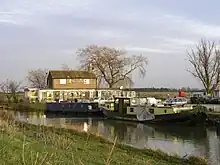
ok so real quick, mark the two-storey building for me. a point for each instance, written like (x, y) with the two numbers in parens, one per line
(71, 84)
(71, 79)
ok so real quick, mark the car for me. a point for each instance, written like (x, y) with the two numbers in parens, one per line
(199, 99)
(179, 101)
(215, 100)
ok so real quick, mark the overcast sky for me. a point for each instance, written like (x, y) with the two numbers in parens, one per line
(46, 34)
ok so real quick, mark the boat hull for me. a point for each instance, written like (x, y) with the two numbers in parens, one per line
(98, 114)
(178, 118)
(74, 109)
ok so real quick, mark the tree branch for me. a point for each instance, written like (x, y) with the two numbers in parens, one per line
(111, 63)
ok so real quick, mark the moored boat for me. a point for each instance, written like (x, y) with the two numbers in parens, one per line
(122, 109)
(81, 109)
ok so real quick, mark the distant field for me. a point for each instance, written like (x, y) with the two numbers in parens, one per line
(160, 95)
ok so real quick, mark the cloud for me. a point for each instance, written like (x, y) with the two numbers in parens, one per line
(194, 27)
(145, 49)
(47, 28)
(13, 17)
(26, 11)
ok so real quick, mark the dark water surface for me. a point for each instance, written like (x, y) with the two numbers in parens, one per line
(179, 140)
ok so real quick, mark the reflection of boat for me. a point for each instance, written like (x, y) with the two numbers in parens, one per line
(123, 110)
(184, 132)
(141, 134)
(80, 109)
(74, 115)
(141, 128)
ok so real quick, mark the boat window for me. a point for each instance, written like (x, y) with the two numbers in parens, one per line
(151, 110)
(127, 102)
(131, 109)
(89, 107)
(165, 111)
(116, 101)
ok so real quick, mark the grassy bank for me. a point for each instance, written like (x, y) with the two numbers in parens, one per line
(22, 106)
(28, 144)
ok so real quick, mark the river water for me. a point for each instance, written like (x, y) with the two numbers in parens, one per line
(198, 141)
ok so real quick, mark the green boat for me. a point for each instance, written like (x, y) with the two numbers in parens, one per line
(122, 109)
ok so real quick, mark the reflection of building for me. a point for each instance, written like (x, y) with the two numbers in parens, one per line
(36, 118)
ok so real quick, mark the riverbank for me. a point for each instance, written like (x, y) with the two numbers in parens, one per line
(22, 106)
(28, 144)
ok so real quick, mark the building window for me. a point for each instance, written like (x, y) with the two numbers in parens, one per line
(86, 81)
(129, 94)
(133, 94)
(44, 95)
(69, 81)
(62, 81)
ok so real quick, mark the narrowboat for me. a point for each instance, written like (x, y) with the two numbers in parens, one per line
(79, 109)
(122, 109)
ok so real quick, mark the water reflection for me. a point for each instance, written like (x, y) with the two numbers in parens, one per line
(179, 140)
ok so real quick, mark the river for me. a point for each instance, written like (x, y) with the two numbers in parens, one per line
(198, 141)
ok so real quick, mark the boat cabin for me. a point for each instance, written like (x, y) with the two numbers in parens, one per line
(119, 104)
(123, 105)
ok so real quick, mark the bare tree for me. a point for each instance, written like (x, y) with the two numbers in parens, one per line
(110, 64)
(10, 88)
(205, 62)
(127, 82)
(38, 78)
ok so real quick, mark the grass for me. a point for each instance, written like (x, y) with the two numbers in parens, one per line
(28, 106)
(25, 144)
